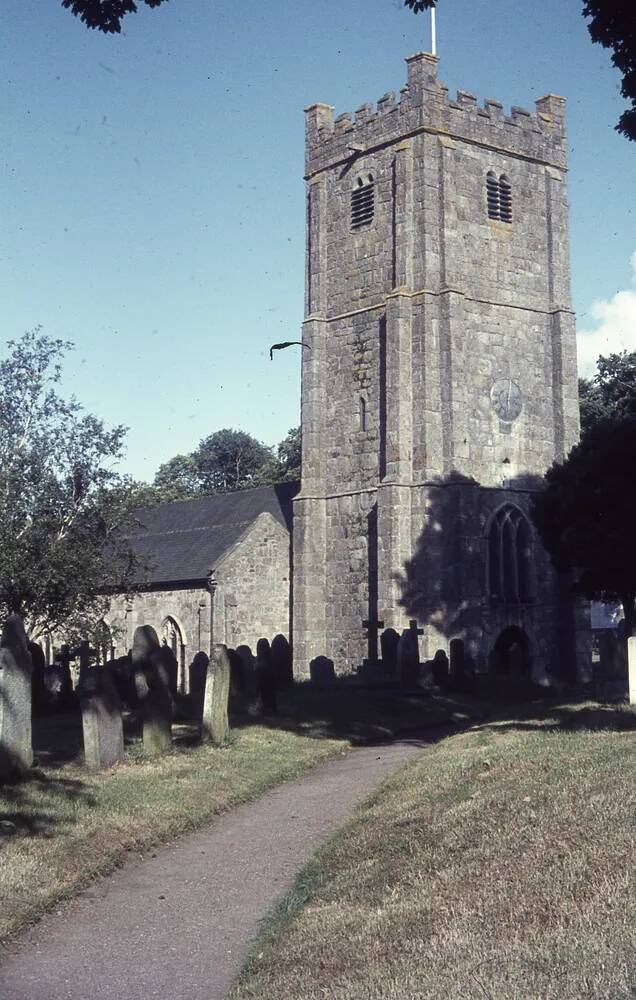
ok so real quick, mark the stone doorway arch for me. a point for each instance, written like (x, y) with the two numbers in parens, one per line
(511, 655)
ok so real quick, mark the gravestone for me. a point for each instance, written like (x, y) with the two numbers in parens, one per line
(372, 627)
(215, 727)
(38, 679)
(408, 659)
(238, 684)
(440, 669)
(265, 677)
(249, 666)
(282, 660)
(198, 673)
(170, 667)
(388, 645)
(153, 691)
(101, 719)
(322, 671)
(85, 655)
(58, 685)
(16, 748)
(631, 668)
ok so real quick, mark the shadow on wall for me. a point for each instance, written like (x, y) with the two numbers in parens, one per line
(447, 580)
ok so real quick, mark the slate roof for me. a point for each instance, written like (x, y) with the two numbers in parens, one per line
(181, 542)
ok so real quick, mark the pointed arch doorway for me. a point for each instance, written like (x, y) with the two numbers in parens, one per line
(511, 655)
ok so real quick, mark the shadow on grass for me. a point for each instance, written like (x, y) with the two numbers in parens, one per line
(25, 806)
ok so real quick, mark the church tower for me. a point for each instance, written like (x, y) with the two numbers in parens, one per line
(439, 379)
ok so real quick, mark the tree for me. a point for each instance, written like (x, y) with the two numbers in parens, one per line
(289, 456)
(611, 392)
(229, 460)
(612, 23)
(176, 479)
(585, 516)
(61, 503)
(106, 15)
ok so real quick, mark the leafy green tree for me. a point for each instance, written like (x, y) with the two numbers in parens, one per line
(612, 23)
(176, 479)
(229, 460)
(61, 502)
(611, 392)
(289, 456)
(585, 516)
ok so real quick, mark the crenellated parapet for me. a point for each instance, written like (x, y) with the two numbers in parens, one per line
(424, 106)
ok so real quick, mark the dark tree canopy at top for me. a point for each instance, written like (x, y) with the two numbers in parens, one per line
(612, 23)
(106, 15)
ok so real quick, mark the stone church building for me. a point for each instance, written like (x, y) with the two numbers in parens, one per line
(439, 382)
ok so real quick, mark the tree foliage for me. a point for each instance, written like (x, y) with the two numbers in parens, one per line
(224, 461)
(60, 499)
(106, 15)
(611, 393)
(611, 23)
(585, 516)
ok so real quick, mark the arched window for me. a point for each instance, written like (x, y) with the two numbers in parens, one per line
(172, 637)
(362, 417)
(362, 202)
(509, 556)
(498, 197)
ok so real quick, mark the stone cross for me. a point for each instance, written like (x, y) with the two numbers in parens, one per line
(372, 628)
(101, 719)
(631, 667)
(215, 727)
(152, 686)
(16, 748)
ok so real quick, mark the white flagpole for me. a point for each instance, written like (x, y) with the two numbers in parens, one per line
(433, 33)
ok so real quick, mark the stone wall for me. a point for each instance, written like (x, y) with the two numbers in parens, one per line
(411, 320)
(251, 598)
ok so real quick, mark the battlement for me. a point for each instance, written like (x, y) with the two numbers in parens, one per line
(424, 104)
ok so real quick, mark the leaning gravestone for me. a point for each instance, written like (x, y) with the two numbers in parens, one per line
(215, 727)
(16, 748)
(101, 719)
(153, 691)
(408, 659)
(282, 660)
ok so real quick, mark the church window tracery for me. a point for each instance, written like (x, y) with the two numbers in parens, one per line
(363, 202)
(509, 556)
(172, 637)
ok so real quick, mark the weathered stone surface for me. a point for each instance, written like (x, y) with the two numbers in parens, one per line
(631, 661)
(16, 749)
(413, 323)
(102, 722)
(215, 726)
(153, 691)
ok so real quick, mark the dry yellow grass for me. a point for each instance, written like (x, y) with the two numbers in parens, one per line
(498, 865)
(64, 826)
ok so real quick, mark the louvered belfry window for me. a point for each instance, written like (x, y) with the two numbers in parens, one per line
(499, 197)
(362, 202)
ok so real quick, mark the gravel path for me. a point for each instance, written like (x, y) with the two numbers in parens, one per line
(177, 924)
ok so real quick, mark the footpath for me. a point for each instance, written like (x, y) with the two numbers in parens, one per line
(178, 923)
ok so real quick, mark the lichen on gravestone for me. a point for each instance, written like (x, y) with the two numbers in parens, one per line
(215, 726)
(153, 690)
(16, 667)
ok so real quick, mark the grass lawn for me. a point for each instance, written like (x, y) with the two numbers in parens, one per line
(500, 864)
(64, 826)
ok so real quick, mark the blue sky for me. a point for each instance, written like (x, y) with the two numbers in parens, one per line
(153, 208)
